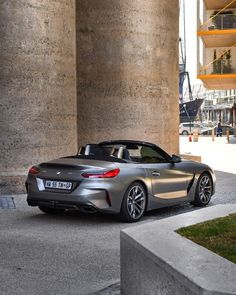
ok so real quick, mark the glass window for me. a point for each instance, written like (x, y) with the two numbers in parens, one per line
(145, 154)
(139, 153)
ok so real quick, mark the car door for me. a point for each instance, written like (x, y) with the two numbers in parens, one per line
(169, 180)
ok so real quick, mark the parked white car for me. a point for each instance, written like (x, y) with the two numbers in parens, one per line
(188, 128)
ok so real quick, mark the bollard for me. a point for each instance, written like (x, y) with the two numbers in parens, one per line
(195, 136)
(213, 134)
(227, 134)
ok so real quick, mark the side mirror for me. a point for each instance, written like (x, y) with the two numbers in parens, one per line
(175, 159)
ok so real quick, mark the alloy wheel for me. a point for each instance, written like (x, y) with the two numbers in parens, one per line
(136, 202)
(205, 189)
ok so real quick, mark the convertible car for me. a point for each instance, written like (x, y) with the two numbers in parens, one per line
(122, 177)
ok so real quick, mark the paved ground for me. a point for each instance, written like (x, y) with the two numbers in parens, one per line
(218, 154)
(74, 253)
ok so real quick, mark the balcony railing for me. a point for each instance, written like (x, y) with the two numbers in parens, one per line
(220, 22)
(220, 66)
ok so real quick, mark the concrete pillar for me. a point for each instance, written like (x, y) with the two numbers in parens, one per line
(37, 86)
(127, 71)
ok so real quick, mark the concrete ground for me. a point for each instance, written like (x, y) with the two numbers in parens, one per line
(79, 254)
(218, 154)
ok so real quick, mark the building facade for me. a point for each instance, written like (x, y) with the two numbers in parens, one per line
(217, 55)
(217, 43)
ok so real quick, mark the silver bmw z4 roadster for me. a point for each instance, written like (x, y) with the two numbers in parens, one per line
(122, 177)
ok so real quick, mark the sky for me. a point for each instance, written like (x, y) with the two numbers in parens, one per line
(191, 39)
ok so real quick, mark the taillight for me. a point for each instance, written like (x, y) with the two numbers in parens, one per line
(108, 174)
(34, 170)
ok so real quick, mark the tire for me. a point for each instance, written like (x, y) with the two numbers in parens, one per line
(49, 210)
(134, 203)
(185, 132)
(204, 191)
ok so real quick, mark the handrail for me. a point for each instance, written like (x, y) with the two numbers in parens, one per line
(205, 67)
(204, 24)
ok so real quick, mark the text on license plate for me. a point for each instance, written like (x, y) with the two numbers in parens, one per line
(58, 184)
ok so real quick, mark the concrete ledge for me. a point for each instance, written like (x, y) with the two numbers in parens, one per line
(191, 157)
(157, 260)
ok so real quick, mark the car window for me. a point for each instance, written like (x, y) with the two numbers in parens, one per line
(145, 154)
(139, 153)
(189, 125)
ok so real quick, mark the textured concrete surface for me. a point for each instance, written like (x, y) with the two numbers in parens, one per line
(157, 260)
(111, 290)
(127, 69)
(72, 253)
(38, 110)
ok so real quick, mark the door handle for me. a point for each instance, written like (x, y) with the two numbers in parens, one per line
(156, 173)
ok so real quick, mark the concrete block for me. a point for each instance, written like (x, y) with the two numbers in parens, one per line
(157, 260)
(191, 157)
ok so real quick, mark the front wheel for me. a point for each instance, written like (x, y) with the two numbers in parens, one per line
(134, 203)
(203, 191)
(185, 132)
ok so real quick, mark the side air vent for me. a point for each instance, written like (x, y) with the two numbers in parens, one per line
(191, 183)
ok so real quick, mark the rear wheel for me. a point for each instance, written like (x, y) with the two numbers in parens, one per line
(134, 203)
(49, 210)
(203, 191)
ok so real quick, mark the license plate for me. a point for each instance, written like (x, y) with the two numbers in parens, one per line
(58, 184)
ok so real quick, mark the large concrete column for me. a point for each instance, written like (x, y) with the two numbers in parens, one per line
(37, 86)
(127, 71)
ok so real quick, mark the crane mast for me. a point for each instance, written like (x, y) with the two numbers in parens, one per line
(183, 74)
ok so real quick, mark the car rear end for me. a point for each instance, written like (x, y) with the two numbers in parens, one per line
(87, 185)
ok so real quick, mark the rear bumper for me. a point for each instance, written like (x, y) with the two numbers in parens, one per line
(87, 197)
(85, 208)
(95, 201)
(88, 200)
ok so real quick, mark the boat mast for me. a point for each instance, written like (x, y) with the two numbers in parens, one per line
(183, 74)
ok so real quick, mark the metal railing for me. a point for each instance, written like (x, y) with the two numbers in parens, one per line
(221, 22)
(219, 19)
(220, 66)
